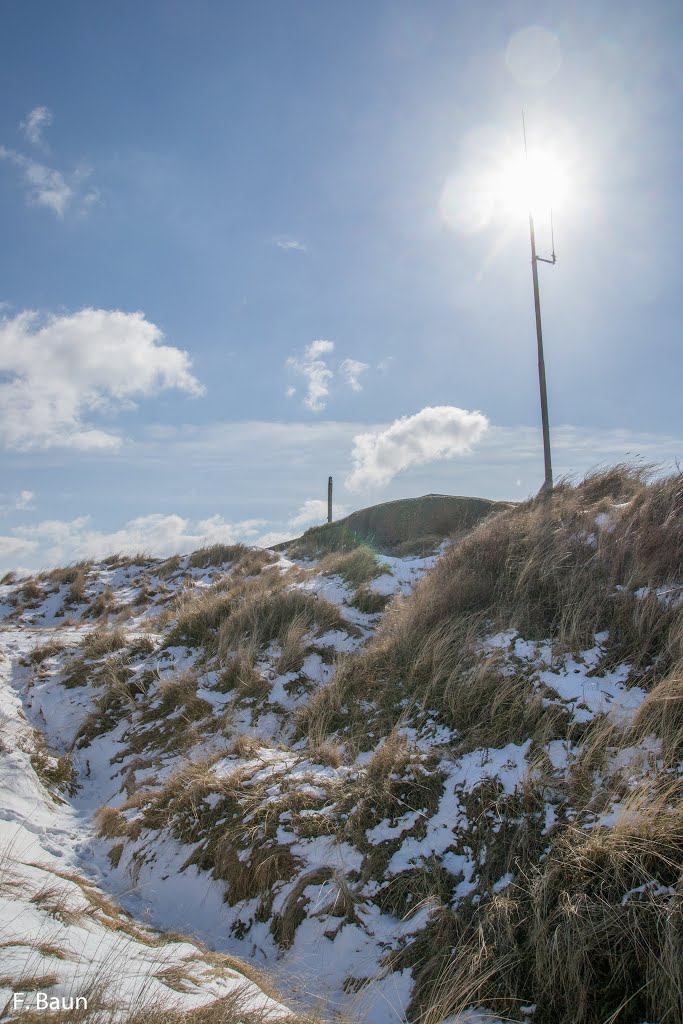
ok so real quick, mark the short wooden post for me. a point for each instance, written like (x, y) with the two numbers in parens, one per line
(329, 499)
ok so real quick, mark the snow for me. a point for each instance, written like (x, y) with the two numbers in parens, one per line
(43, 839)
(153, 879)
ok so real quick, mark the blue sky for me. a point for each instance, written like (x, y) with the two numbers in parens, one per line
(245, 248)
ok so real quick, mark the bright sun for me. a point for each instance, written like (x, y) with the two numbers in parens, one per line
(501, 189)
(535, 182)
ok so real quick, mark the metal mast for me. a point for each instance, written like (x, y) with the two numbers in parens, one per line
(535, 259)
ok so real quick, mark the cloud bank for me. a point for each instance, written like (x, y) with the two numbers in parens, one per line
(436, 432)
(56, 373)
(59, 542)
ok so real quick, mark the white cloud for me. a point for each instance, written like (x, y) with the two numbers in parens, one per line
(21, 502)
(267, 540)
(12, 548)
(57, 542)
(352, 369)
(314, 511)
(37, 120)
(291, 244)
(319, 348)
(315, 368)
(315, 372)
(24, 502)
(56, 372)
(45, 186)
(436, 432)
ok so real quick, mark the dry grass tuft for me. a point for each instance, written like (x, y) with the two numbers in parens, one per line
(42, 652)
(661, 715)
(355, 567)
(169, 567)
(120, 689)
(254, 561)
(103, 640)
(102, 606)
(76, 593)
(199, 614)
(34, 983)
(58, 902)
(57, 774)
(265, 615)
(65, 575)
(121, 561)
(285, 923)
(216, 554)
(293, 647)
(178, 693)
(30, 593)
(76, 672)
(238, 674)
(368, 601)
(111, 823)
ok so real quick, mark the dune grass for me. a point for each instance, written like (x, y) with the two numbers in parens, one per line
(567, 910)
(355, 567)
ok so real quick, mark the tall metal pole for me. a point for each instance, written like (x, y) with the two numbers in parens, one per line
(548, 482)
(329, 499)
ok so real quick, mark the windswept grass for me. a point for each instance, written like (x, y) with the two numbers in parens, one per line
(321, 540)
(119, 689)
(588, 935)
(30, 593)
(545, 568)
(355, 567)
(102, 606)
(42, 652)
(216, 555)
(103, 640)
(368, 601)
(546, 874)
(265, 616)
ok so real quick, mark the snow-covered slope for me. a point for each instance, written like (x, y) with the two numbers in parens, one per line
(407, 788)
(63, 943)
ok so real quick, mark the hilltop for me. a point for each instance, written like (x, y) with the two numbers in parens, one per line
(401, 527)
(425, 787)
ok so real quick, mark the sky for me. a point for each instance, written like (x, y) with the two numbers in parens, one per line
(247, 246)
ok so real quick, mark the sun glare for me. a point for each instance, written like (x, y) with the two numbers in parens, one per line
(489, 190)
(537, 182)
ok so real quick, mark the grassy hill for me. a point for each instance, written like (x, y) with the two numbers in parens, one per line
(408, 787)
(403, 527)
